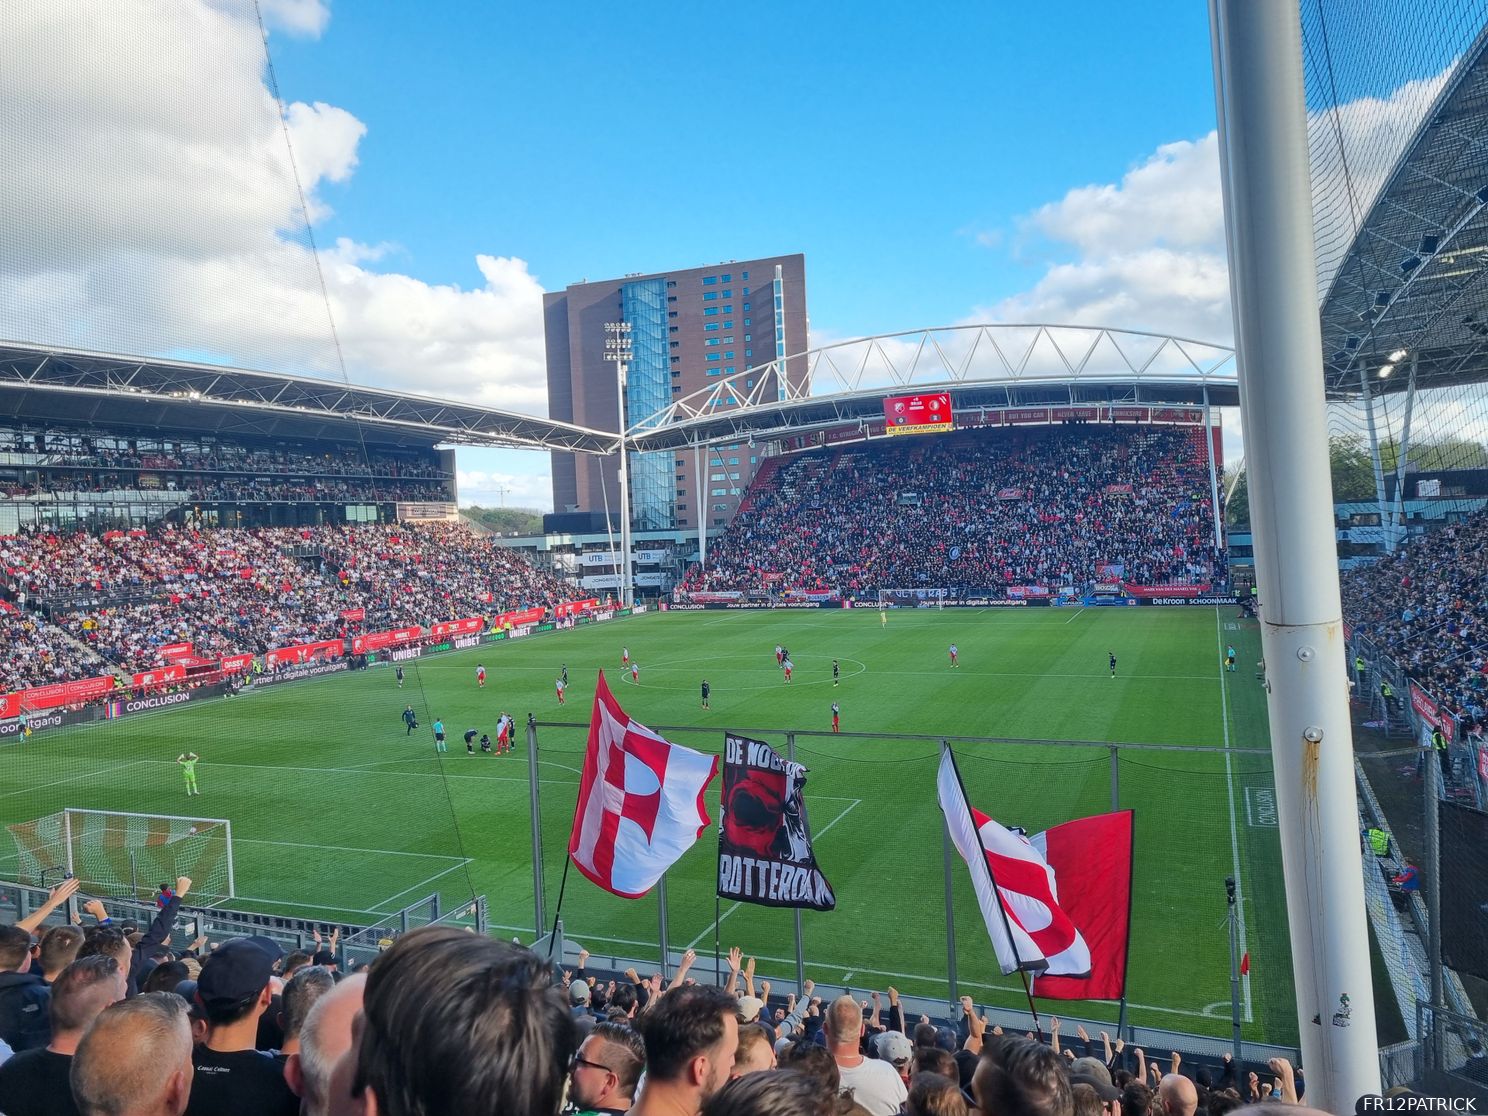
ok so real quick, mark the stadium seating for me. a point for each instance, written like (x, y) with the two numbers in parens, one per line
(230, 591)
(72, 463)
(1426, 606)
(1054, 506)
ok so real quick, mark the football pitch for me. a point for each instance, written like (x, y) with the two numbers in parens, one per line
(337, 811)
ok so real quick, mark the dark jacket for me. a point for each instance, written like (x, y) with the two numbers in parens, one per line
(160, 929)
(25, 1016)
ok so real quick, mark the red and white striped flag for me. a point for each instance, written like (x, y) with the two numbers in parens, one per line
(1018, 893)
(640, 801)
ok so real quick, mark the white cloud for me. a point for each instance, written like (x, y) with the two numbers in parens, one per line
(151, 209)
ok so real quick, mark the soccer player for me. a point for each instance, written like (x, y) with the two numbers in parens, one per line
(1230, 657)
(565, 674)
(470, 741)
(707, 690)
(485, 743)
(836, 717)
(560, 684)
(503, 734)
(954, 653)
(836, 672)
(480, 675)
(188, 769)
(399, 676)
(788, 666)
(779, 654)
(883, 617)
(439, 736)
(635, 673)
(625, 656)
(1112, 655)
(410, 718)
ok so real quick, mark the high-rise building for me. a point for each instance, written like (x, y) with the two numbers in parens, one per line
(688, 330)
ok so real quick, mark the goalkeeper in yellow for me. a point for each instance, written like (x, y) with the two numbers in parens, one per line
(188, 769)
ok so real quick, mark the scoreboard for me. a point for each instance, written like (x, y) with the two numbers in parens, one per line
(918, 414)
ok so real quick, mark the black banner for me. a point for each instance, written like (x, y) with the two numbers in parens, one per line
(764, 835)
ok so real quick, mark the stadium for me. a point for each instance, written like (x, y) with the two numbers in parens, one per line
(255, 651)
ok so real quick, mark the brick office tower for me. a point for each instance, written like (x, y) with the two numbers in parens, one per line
(688, 329)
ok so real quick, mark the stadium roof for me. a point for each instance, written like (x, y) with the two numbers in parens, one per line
(993, 365)
(41, 383)
(1412, 281)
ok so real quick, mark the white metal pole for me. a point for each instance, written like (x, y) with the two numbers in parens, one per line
(1213, 473)
(1395, 529)
(1273, 277)
(702, 505)
(626, 596)
(1374, 452)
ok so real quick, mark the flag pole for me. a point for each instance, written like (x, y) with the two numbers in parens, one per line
(661, 923)
(717, 951)
(996, 894)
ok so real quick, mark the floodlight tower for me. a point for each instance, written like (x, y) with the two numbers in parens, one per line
(617, 349)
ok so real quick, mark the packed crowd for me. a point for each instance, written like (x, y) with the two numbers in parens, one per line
(230, 591)
(1426, 606)
(113, 1018)
(36, 654)
(110, 451)
(229, 489)
(1053, 506)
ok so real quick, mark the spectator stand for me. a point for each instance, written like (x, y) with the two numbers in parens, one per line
(361, 939)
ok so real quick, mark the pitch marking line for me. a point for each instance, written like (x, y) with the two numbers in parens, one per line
(377, 909)
(1224, 710)
(818, 836)
(344, 848)
(109, 771)
(1076, 616)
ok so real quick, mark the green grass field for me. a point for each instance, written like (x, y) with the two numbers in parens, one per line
(336, 812)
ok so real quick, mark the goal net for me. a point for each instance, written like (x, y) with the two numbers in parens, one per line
(121, 855)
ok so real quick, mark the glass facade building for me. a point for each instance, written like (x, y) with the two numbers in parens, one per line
(643, 303)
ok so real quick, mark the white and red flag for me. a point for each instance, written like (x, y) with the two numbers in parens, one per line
(640, 801)
(1058, 904)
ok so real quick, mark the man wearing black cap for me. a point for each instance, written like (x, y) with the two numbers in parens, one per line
(231, 1076)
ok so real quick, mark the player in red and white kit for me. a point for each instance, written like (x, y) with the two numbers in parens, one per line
(560, 685)
(480, 677)
(635, 673)
(954, 653)
(779, 654)
(788, 666)
(503, 733)
(625, 656)
(836, 717)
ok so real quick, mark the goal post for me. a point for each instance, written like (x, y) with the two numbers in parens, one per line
(118, 853)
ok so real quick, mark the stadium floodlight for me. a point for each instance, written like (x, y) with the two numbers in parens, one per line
(1385, 370)
(618, 350)
(1397, 356)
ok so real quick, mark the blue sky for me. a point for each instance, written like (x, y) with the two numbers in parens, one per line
(937, 164)
(886, 142)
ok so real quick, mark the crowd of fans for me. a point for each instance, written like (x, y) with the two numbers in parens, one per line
(76, 463)
(1426, 606)
(234, 489)
(116, 1018)
(37, 654)
(231, 591)
(1054, 506)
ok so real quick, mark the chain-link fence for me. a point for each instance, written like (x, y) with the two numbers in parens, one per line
(906, 916)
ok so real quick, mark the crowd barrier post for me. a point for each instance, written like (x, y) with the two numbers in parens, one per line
(661, 924)
(540, 920)
(1431, 819)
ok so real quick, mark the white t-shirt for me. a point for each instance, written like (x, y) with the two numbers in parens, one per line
(876, 1085)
